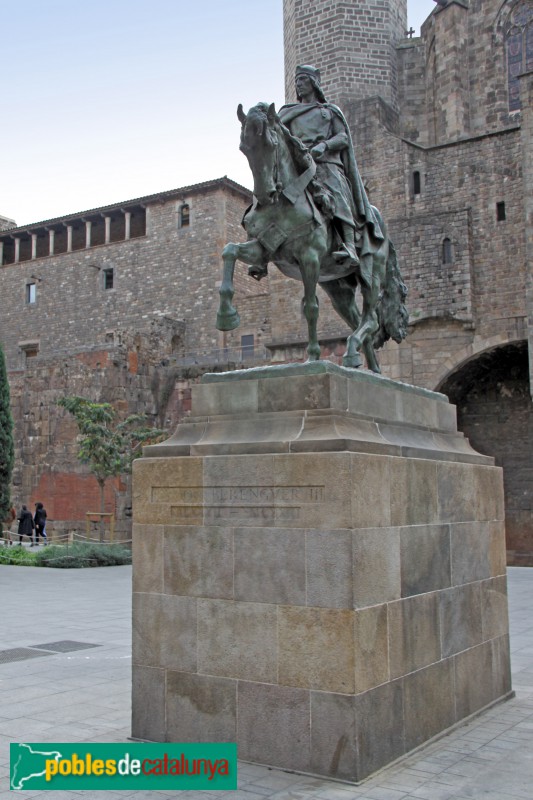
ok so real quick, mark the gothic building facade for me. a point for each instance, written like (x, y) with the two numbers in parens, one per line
(119, 302)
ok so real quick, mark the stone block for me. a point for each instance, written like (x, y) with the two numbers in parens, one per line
(164, 631)
(352, 737)
(147, 552)
(429, 705)
(371, 640)
(494, 609)
(279, 394)
(471, 547)
(148, 717)
(329, 569)
(501, 667)
(379, 405)
(215, 399)
(316, 649)
(317, 488)
(460, 618)
(237, 640)
(168, 491)
(198, 561)
(270, 566)
(372, 482)
(415, 410)
(376, 565)
(200, 708)
(380, 727)
(334, 736)
(497, 549)
(414, 492)
(414, 633)
(425, 559)
(279, 734)
(469, 493)
(471, 696)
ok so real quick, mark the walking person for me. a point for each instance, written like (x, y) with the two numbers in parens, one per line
(40, 522)
(26, 525)
(8, 522)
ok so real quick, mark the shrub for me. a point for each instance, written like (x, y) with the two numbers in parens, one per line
(83, 554)
(18, 556)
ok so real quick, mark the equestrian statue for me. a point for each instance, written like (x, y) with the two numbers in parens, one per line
(311, 217)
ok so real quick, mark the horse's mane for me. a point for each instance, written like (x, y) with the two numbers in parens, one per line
(299, 151)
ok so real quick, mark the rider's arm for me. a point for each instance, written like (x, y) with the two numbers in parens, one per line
(339, 140)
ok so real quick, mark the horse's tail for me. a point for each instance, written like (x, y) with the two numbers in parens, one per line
(392, 313)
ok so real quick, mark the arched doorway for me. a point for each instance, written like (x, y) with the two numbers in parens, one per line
(495, 412)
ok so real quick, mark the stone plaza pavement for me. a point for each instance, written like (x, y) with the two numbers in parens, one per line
(62, 690)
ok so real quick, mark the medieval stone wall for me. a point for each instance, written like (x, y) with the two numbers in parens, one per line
(168, 275)
(353, 44)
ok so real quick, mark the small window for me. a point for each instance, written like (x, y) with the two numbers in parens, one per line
(108, 278)
(247, 346)
(447, 254)
(185, 216)
(500, 211)
(30, 349)
(416, 182)
(31, 293)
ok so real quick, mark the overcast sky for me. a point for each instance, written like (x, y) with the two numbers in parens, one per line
(110, 100)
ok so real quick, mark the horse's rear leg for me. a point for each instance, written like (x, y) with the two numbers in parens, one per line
(341, 292)
(368, 325)
(251, 253)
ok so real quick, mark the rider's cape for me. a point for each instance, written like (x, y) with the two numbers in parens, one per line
(362, 204)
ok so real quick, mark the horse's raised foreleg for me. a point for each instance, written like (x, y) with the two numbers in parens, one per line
(310, 269)
(251, 253)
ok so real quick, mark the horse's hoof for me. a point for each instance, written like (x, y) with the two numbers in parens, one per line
(228, 321)
(353, 361)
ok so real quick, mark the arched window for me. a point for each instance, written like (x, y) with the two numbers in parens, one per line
(447, 252)
(185, 216)
(519, 49)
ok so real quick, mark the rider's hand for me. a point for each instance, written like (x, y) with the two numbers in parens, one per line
(318, 150)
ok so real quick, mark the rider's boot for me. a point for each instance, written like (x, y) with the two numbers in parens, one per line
(348, 250)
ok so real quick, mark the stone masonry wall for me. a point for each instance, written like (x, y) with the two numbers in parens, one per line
(169, 274)
(352, 43)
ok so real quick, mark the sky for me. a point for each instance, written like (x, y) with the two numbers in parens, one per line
(110, 100)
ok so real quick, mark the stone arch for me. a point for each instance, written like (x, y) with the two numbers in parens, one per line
(491, 390)
(466, 354)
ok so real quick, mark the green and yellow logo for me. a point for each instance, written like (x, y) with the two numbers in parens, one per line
(131, 765)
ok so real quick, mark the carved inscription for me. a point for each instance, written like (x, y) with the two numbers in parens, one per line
(240, 504)
(242, 495)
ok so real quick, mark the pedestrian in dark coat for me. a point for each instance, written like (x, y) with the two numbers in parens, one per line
(40, 522)
(26, 524)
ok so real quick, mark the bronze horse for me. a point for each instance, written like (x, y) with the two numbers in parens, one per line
(289, 225)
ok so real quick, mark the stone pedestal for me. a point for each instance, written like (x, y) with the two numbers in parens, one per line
(319, 572)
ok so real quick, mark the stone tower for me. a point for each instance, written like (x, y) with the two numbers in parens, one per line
(353, 43)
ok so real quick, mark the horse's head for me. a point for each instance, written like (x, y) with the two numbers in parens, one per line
(259, 143)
